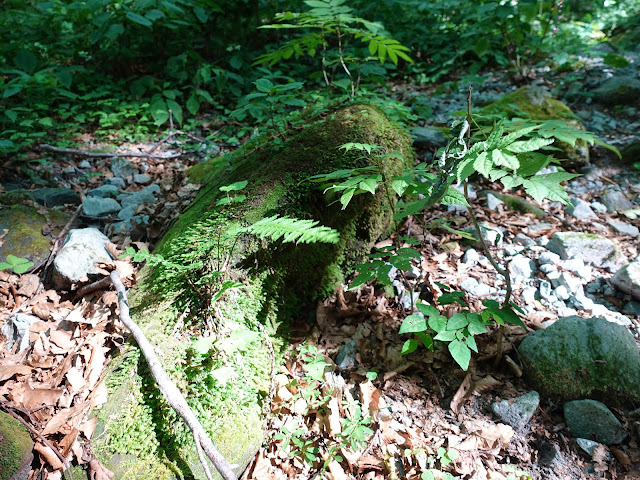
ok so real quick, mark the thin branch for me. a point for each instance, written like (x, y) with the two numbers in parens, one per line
(168, 388)
(84, 153)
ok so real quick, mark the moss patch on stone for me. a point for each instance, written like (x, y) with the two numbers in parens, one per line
(226, 382)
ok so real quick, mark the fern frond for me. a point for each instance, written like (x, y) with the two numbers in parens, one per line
(293, 230)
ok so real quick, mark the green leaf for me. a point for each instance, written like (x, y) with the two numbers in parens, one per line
(471, 343)
(460, 353)
(530, 145)
(615, 60)
(412, 324)
(233, 187)
(494, 136)
(293, 230)
(264, 85)
(426, 339)
(454, 197)
(193, 103)
(548, 186)
(203, 345)
(500, 157)
(438, 323)
(453, 297)
(427, 310)
(445, 335)
(176, 110)
(139, 19)
(159, 112)
(457, 321)
(476, 325)
(483, 164)
(409, 346)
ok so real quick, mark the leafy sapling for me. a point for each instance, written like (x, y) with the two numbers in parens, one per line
(18, 265)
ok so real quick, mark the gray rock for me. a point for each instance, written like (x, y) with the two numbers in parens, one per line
(512, 250)
(591, 172)
(146, 195)
(577, 358)
(549, 258)
(16, 331)
(56, 197)
(104, 191)
(24, 238)
(428, 137)
(100, 207)
(121, 167)
(84, 164)
(529, 295)
(127, 213)
(493, 236)
(78, 257)
(632, 308)
(346, 357)
(15, 449)
(581, 301)
(470, 257)
(624, 228)
(587, 445)
(545, 289)
(540, 226)
(592, 249)
(493, 202)
(627, 279)
(615, 201)
(474, 288)
(594, 421)
(117, 182)
(619, 90)
(518, 413)
(542, 241)
(142, 179)
(521, 268)
(577, 266)
(598, 207)
(581, 209)
(524, 240)
(562, 293)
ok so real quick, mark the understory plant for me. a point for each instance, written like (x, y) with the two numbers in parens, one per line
(514, 154)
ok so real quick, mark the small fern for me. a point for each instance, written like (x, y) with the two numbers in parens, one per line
(293, 230)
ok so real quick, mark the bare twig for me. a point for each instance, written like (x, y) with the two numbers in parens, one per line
(172, 133)
(84, 153)
(92, 287)
(168, 388)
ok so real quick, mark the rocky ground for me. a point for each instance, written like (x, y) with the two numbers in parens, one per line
(427, 418)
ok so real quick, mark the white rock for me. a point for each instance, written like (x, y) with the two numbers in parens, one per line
(562, 293)
(549, 258)
(79, 256)
(471, 257)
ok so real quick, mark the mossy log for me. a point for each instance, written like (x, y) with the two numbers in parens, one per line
(225, 376)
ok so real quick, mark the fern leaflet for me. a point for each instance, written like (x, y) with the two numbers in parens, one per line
(293, 230)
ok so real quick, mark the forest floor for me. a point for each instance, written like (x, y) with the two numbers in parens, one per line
(428, 414)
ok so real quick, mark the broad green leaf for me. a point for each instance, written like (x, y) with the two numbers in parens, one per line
(203, 345)
(370, 184)
(454, 197)
(264, 85)
(483, 164)
(453, 297)
(494, 137)
(500, 157)
(193, 103)
(412, 324)
(457, 321)
(531, 163)
(445, 335)
(460, 353)
(427, 310)
(159, 112)
(476, 325)
(511, 181)
(409, 346)
(530, 145)
(139, 19)
(426, 339)
(471, 343)
(438, 323)
(176, 110)
(234, 186)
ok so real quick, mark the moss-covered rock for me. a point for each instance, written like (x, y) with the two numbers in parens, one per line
(15, 448)
(516, 203)
(537, 104)
(225, 376)
(583, 358)
(25, 238)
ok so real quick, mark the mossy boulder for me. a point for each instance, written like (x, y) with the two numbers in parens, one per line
(533, 103)
(226, 374)
(15, 449)
(25, 237)
(579, 358)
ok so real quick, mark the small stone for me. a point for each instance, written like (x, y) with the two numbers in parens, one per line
(599, 226)
(121, 167)
(598, 207)
(16, 331)
(580, 209)
(79, 256)
(524, 240)
(592, 249)
(594, 421)
(627, 279)
(549, 258)
(624, 228)
(587, 445)
(346, 357)
(615, 201)
(142, 179)
(562, 293)
(512, 250)
(84, 164)
(577, 266)
(548, 268)
(117, 182)
(581, 301)
(572, 283)
(474, 288)
(104, 191)
(529, 295)
(493, 202)
(540, 227)
(56, 197)
(521, 268)
(545, 289)
(519, 413)
(595, 286)
(542, 241)
(127, 213)
(632, 308)
(471, 257)
(100, 207)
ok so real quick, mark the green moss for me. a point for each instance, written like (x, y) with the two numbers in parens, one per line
(280, 279)
(15, 445)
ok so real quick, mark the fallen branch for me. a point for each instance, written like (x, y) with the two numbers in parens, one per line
(84, 153)
(170, 391)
